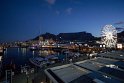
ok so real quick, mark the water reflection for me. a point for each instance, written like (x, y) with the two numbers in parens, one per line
(18, 50)
(21, 56)
(23, 50)
(5, 51)
(18, 56)
(33, 53)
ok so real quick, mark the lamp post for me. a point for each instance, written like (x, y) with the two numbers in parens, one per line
(27, 75)
(67, 52)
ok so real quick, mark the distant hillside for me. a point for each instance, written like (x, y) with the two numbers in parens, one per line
(46, 36)
(121, 37)
(77, 36)
(121, 34)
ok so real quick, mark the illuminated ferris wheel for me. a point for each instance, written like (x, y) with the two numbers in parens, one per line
(109, 36)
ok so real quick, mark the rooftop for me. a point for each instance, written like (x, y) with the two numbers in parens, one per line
(93, 70)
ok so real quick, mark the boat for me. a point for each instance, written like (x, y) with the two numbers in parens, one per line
(38, 61)
(33, 48)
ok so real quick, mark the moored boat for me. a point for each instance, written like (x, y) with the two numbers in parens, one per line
(33, 48)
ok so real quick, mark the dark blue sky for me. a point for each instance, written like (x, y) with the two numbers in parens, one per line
(25, 19)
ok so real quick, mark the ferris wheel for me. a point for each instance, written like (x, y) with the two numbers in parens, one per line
(109, 36)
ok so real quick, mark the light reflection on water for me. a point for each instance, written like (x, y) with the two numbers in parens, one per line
(33, 53)
(23, 50)
(18, 56)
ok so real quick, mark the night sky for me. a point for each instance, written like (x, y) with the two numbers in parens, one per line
(25, 19)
